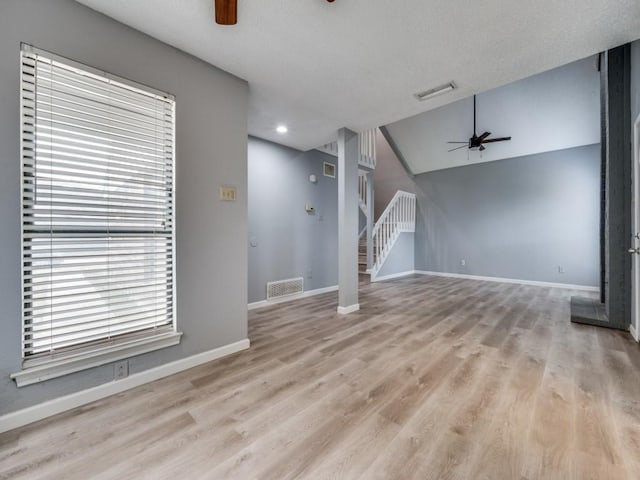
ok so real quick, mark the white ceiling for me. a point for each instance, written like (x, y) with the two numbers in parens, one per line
(319, 66)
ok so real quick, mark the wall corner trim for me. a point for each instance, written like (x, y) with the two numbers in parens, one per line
(297, 296)
(49, 408)
(535, 283)
(393, 275)
(634, 333)
(349, 309)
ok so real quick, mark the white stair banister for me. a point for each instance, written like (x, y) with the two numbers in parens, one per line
(368, 148)
(362, 191)
(398, 217)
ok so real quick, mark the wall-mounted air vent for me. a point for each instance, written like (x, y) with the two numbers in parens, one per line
(283, 288)
(329, 170)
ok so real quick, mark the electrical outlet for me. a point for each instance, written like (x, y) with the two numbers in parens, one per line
(309, 273)
(560, 269)
(121, 370)
(463, 262)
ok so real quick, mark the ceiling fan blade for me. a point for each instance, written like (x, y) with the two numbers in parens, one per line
(483, 136)
(499, 139)
(226, 12)
(457, 148)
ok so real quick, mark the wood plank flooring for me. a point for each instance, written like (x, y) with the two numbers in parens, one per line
(435, 378)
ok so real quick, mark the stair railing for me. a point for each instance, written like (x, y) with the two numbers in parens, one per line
(398, 217)
(362, 191)
(366, 148)
(367, 154)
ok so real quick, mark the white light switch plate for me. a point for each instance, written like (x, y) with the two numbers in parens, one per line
(228, 194)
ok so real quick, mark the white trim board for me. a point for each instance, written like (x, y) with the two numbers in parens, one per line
(46, 409)
(350, 309)
(100, 356)
(394, 275)
(586, 288)
(289, 298)
(634, 333)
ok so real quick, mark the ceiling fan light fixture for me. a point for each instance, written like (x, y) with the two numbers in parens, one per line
(434, 92)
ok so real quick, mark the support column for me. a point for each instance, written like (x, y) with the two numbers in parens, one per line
(618, 192)
(613, 309)
(370, 219)
(348, 212)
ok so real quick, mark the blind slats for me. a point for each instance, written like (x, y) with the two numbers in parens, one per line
(46, 307)
(97, 207)
(80, 299)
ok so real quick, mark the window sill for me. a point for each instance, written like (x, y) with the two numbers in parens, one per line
(82, 361)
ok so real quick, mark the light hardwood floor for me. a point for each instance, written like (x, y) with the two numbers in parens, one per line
(434, 378)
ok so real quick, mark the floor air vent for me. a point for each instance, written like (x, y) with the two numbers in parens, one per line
(282, 288)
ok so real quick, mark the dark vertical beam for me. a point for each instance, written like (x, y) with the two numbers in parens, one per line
(614, 308)
(602, 65)
(618, 192)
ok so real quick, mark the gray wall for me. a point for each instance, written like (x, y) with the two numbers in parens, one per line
(211, 148)
(401, 256)
(517, 218)
(289, 241)
(389, 176)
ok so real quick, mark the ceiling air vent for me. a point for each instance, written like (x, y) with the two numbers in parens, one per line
(283, 288)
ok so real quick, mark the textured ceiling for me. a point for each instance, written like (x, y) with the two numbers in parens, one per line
(319, 66)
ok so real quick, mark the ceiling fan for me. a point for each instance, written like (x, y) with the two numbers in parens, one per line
(227, 11)
(478, 141)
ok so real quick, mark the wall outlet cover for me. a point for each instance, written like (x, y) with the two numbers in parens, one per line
(121, 370)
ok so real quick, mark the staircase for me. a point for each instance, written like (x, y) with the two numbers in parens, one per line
(362, 257)
(366, 206)
(399, 217)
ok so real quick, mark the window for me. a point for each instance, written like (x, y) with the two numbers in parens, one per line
(97, 213)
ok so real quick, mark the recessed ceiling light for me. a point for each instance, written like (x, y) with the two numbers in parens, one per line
(282, 129)
(435, 91)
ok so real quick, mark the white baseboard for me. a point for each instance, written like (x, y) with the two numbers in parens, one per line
(32, 414)
(349, 309)
(634, 333)
(289, 298)
(392, 276)
(585, 288)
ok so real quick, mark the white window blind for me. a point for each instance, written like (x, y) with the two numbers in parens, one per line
(97, 208)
